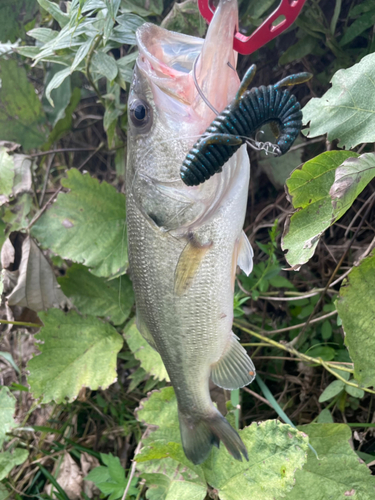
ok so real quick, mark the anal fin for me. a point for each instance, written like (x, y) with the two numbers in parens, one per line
(245, 255)
(188, 264)
(235, 368)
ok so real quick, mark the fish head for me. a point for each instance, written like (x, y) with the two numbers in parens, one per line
(167, 115)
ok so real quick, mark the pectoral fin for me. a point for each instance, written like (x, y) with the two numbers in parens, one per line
(245, 255)
(188, 265)
(234, 369)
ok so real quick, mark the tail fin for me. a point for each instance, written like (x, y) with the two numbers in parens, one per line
(198, 436)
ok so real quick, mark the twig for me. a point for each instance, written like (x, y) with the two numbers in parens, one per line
(19, 323)
(50, 161)
(61, 150)
(296, 339)
(304, 357)
(257, 396)
(134, 464)
(300, 325)
(88, 62)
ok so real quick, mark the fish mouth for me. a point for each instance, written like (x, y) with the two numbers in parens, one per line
(172, 61)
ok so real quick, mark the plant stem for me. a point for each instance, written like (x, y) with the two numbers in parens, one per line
(19, 323)
(326, 364)
(97, 40)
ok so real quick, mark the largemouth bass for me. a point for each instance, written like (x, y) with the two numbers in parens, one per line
(185, 242)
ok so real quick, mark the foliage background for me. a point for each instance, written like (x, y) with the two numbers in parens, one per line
(69, 427)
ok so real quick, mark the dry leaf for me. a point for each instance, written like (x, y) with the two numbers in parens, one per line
(69, 478)
(89, 462)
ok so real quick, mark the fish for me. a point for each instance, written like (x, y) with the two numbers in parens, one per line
(185, 242)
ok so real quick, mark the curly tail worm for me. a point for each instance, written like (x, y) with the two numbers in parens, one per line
(249, 110)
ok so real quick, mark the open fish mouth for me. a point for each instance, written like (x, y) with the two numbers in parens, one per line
(167, 60)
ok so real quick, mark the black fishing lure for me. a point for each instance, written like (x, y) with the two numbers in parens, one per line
(249, 110)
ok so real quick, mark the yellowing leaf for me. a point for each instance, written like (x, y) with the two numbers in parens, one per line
(87, 225)
(356, 306)
(347, 110)
(76, 352)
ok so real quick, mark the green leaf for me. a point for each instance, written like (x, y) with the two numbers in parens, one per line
(43, 35)
(153, 8)
(56, 81)
(338, 474)
(275, 451)
(356, 306)
(76, 352)
(185, 18)
(7, 409)
(322, 351)
(354, 391)
(87, 225)
(322, 190)
(111, 299)
(347, 110)
(360, 25)
(53, 9)
(126, 65)
(105, 65)
(326, 330)
(299, 50)
(21, 113)
(60, 96)
(281, 282)
(110, 479)
(150, 360)
(9, 460)
(6, 175)
(65, 122)
(14, 15)
(332, 390)
(325, 417)
(8, 357)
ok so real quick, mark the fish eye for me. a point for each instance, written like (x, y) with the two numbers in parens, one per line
(140, 113)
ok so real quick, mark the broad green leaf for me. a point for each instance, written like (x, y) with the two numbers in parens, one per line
(275, 452)
(14, 15)
(87, 225)
(347, 110)
(81, 54)
(7, 355)
(170, 487)
(354, 391)
(4, 493)
(356, 306)
(332, 390)
(150, 360)
(21, 113)
(36, 287)
(105, 65)
(8, 460)
(6, 175)
(185, 18)
(126, 65)
(111, 299)
(75, 352)
(7, 409)
(322, 190)
(338, 474)
(325, 417)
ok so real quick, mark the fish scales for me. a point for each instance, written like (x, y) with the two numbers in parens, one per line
(184, 242)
